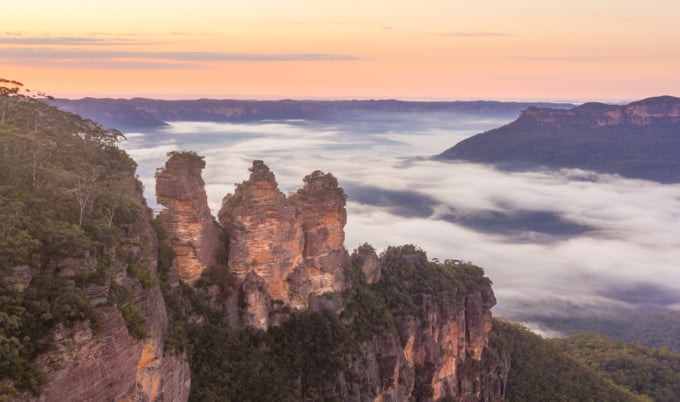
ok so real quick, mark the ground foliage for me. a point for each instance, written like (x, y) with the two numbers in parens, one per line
(541, 371)
(647, 371)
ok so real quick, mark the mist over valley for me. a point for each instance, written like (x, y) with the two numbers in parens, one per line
(555, 242)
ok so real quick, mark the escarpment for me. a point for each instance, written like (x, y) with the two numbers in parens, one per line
(640, 140)
(647, 112)
(414, 329)
(122, 356)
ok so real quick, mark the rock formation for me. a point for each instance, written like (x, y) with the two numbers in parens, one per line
(284, 250)
(436, 344)
(186, 218)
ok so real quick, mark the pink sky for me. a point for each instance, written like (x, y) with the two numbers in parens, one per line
(431, 49)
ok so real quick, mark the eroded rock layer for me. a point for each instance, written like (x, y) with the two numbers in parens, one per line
(187, 217)
(293, 245)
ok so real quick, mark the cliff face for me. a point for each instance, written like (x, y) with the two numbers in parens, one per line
(186, 217)
(437, 348)
(284, 251)
(647, 112)
(104, 362)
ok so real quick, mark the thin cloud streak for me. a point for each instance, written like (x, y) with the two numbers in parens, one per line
(17, 55)
(69, 41)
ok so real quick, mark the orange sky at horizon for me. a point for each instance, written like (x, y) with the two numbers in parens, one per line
(340, 49)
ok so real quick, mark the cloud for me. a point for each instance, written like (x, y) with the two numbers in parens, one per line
(402, 203)
(83, 53)
(18, 39)
(110, 58)
(555, 242)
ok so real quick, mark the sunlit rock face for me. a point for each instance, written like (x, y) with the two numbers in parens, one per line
(293, 245)
(437, 344)
(186, 217)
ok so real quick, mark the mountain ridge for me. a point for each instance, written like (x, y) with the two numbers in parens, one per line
(146, 113)
(639, 140)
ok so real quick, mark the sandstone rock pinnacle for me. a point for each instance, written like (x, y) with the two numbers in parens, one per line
(186, 217)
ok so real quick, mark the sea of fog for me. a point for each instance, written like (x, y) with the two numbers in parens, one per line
(564, 242)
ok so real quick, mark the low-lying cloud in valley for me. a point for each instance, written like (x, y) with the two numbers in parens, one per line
(553, 242)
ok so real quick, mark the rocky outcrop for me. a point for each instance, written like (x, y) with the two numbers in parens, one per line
(437, 345)
(186, 217)
(647, 112)
(291, 246)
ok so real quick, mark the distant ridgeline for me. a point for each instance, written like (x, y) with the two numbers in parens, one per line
(639, 140)
(139, 113)
(101, 301)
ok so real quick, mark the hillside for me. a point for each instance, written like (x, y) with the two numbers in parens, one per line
(645, 371)
(639, 140)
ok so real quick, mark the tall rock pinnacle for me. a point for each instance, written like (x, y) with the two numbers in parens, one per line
(186, 217)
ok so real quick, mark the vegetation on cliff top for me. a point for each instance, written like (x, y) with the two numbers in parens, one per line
(65, 192)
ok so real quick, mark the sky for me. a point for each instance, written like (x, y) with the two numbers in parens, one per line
(575, 50)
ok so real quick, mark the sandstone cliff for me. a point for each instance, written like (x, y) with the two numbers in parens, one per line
(120, 356)
(437, 346)
(186, 216)
(107, 363)
(647, 112)
(285, 252)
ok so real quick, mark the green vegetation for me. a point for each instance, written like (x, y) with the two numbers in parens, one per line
(289, 363)
(541, 371)
(408, 278)
(189, 156)
(646, 371)
(64, 196)
(145, 277)
(134, 321)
